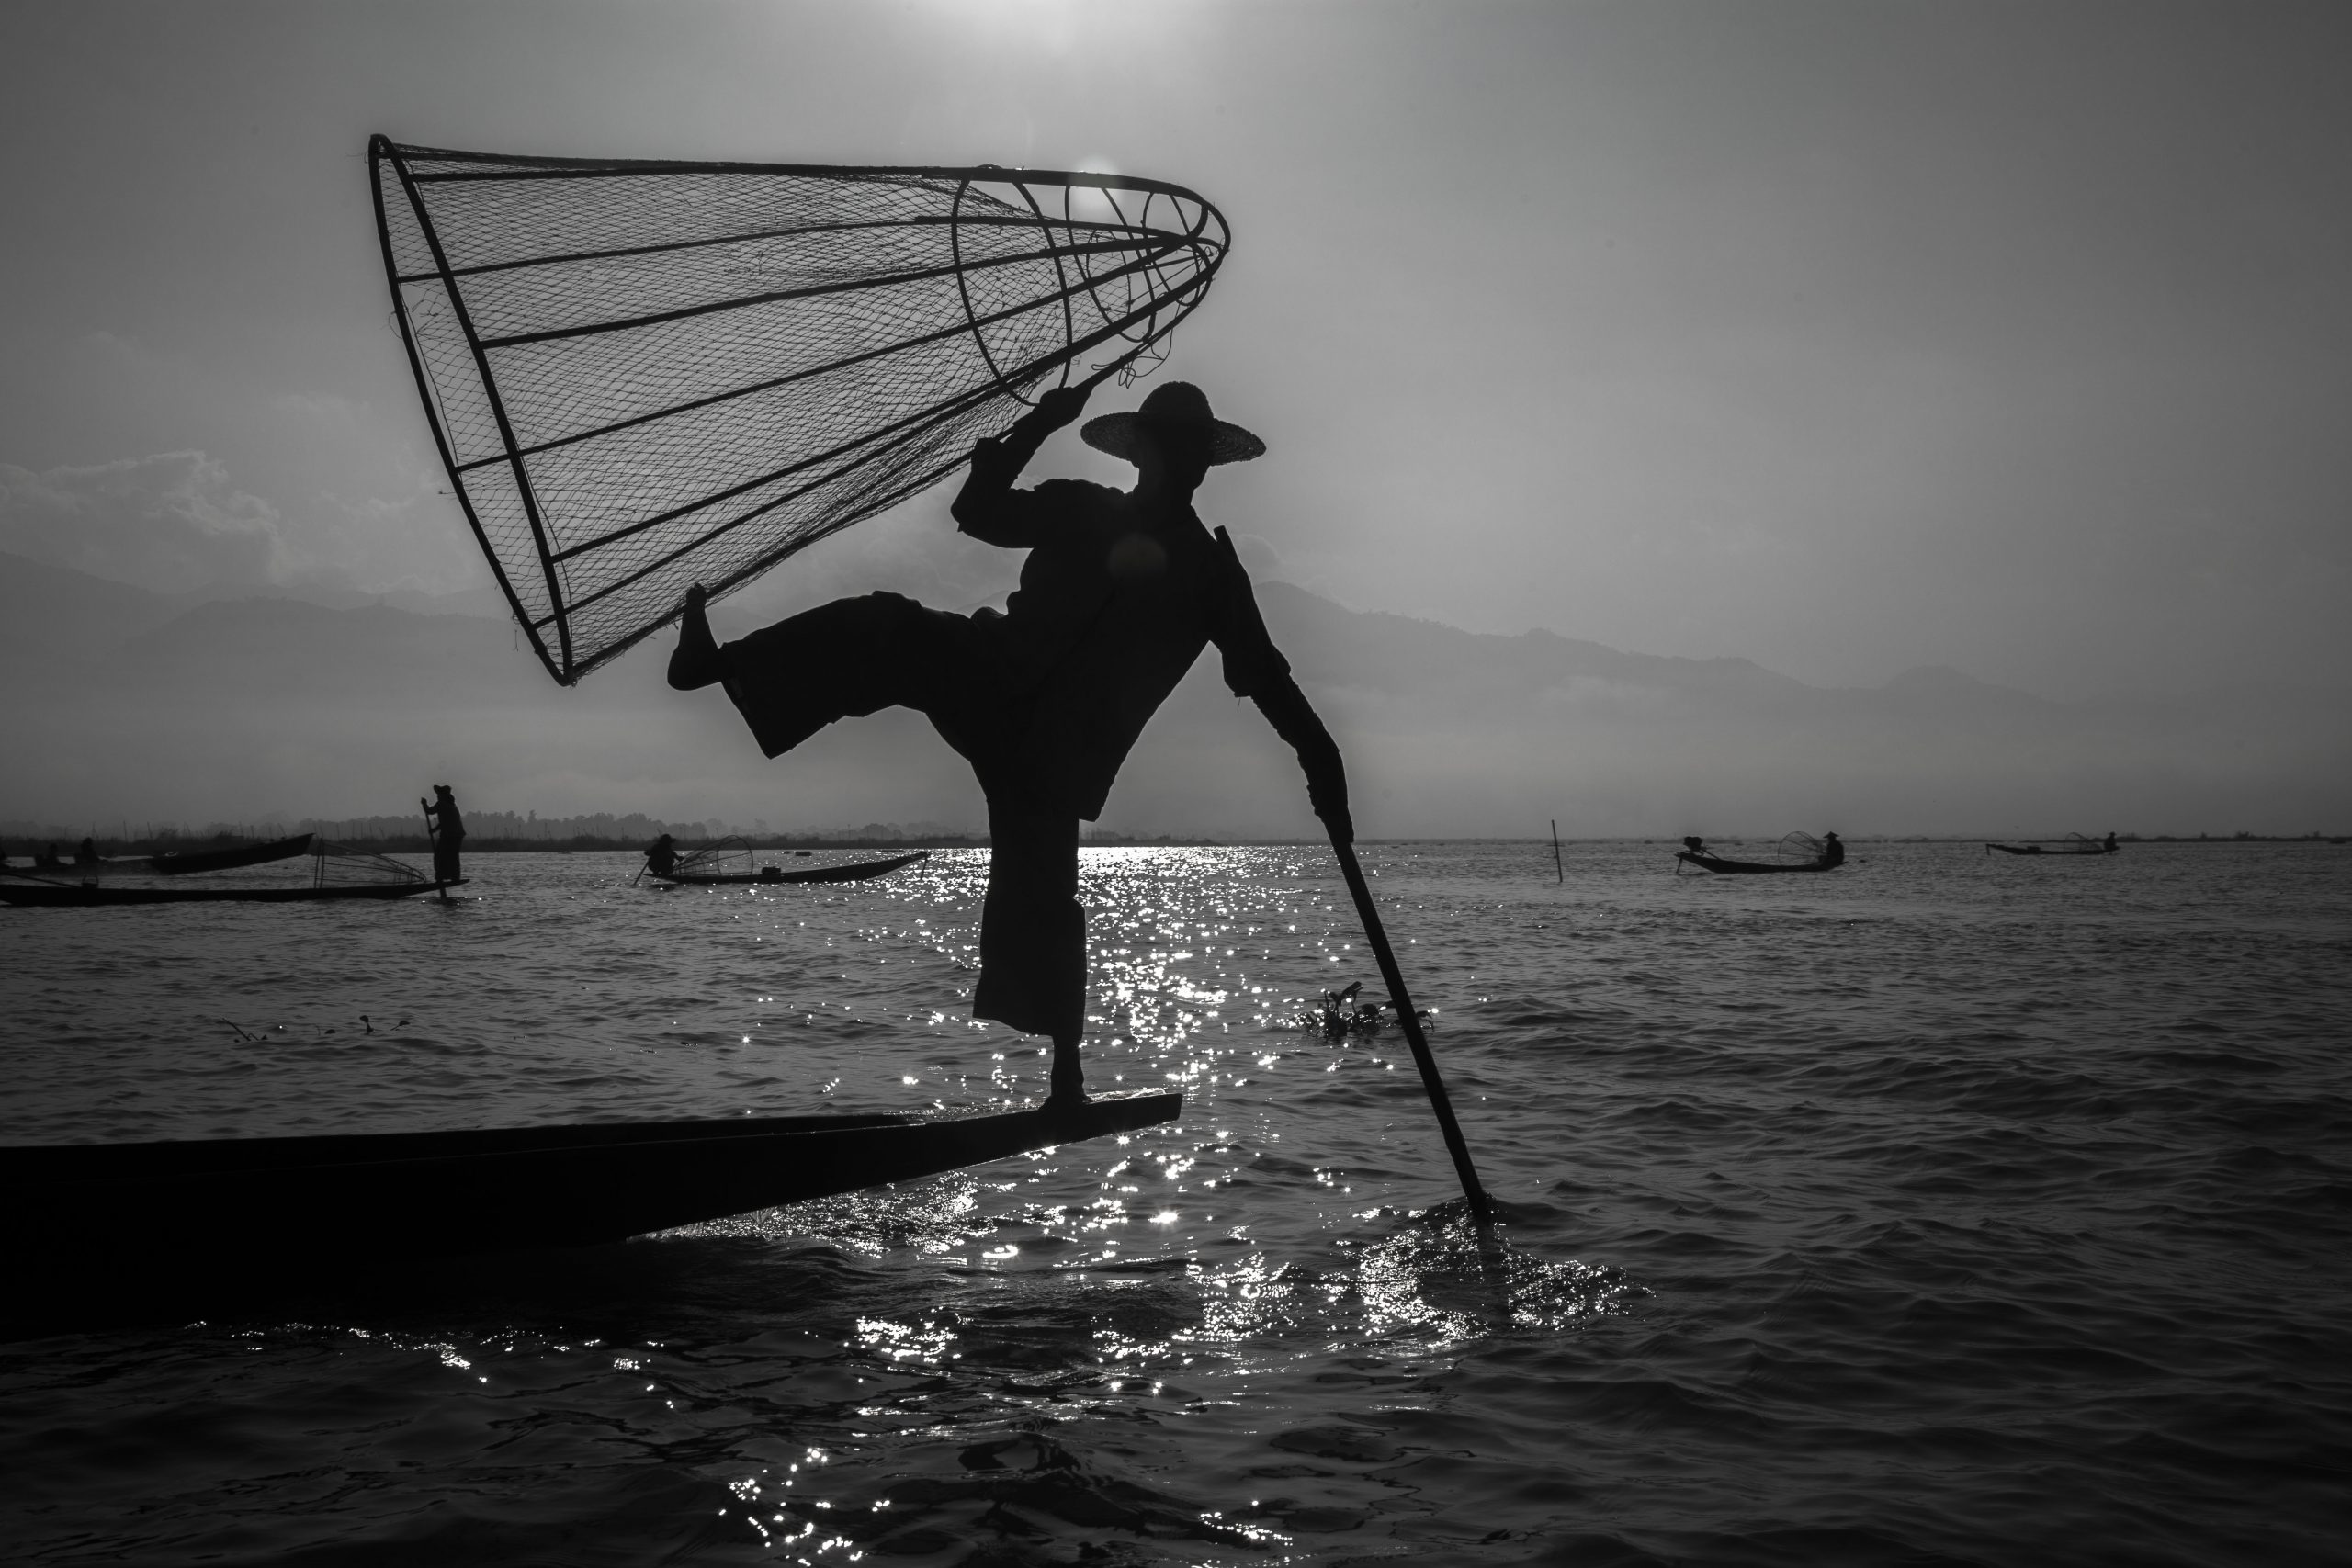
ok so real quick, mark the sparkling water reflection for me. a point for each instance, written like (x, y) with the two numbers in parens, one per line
(1937, 1211)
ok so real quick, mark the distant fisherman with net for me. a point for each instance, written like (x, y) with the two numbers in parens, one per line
(1120, 594)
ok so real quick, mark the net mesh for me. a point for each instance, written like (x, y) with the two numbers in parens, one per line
(1800, 849)
(339, 865)
(648, 374)
(721, 857)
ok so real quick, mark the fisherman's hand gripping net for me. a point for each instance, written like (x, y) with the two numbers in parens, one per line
(648, 374)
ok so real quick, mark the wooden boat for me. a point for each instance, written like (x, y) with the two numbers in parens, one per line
(1797, 851)
(181, 863)
(287, 1207)
(860, 871)
(178, 864)
(83, 870)
(1716, 863)
(62, 895)
(2095, 848)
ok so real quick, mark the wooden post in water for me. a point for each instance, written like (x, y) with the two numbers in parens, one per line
(1369, 913)
(1559, 871)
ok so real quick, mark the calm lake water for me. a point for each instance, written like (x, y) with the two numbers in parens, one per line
(1948, 1209)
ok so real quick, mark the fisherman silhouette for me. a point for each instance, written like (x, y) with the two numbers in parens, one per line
(1832, 851)
(2109, 844)
(1121, 593)
(449, 831)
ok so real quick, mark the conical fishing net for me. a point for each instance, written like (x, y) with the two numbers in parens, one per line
(721, 857)
(1799, 848)
(339, 865)
(648, 374)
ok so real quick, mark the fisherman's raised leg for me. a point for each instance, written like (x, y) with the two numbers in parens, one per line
(844, 660)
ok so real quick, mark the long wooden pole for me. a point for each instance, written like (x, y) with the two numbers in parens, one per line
(1369, 913)
(1559, 871)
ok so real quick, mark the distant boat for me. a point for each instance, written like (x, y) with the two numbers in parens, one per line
(173, 864)
(2073, 844)
(859, 871)
(1798, 851)
(340, 873)
(153, 1215)
(60, 895)
(1716, 863)
(188, 860)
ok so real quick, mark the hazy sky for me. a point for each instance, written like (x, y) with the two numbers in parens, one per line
(1849, 337)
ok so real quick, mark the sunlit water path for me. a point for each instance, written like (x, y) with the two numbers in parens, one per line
(1947, 1209)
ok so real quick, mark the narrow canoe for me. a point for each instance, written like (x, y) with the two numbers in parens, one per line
(228, 859)
(83, 870)
(59, 895)
(179, 864)
(2038, 849)
(289, 1205)
(861, 870)
(1716, 863)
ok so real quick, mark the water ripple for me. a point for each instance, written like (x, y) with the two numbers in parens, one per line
(1939, 1212)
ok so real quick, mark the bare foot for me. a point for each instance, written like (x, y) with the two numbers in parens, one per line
(1069, 1081)
(694, 662)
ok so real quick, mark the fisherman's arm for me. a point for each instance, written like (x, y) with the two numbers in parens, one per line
(987, 507)
(1255, 669)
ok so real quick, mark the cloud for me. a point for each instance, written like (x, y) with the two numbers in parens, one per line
(361, 504)
(172, 522)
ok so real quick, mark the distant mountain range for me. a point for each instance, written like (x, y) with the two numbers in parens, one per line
(124, 703)
(51, 609)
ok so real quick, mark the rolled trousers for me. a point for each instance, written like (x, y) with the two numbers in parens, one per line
(855, 657)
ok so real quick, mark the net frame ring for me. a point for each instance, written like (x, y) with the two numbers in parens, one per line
(1153, 340)
(1061, 273)
(1148, 336)
(964, 289)
(1140, 226)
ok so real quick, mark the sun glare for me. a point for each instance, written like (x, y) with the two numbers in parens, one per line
(1062, 31)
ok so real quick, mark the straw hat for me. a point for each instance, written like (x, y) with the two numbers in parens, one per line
(1174, 405)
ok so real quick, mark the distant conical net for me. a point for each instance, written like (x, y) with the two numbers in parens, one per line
(718, 857)
(1796, 848)
(339, 865)
(648, 374)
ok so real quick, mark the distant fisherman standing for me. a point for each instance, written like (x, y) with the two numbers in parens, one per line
(449, 831)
